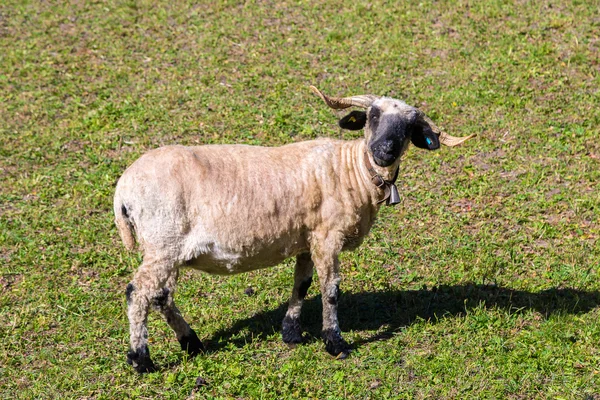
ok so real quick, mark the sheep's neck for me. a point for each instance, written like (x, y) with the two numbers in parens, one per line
(358, 175)
(390, 191)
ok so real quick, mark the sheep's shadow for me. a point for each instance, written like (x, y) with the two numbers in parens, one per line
(387, 312)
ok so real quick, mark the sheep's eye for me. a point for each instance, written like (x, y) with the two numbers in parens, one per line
(374, 113)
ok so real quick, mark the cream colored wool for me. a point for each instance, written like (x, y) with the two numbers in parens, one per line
(227, 209)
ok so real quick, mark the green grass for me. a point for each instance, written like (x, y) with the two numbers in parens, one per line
(483, 283)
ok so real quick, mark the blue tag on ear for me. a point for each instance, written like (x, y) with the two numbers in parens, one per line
(428, 141)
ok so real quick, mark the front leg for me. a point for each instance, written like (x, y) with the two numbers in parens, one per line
(325, 257)
(291, 330)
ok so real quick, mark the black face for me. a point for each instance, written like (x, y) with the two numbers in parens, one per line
(391, 129)
(390, 132)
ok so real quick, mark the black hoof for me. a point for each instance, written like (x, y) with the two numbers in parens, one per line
(140, 360)
(191, 344)
(291, 331)
(335, 344)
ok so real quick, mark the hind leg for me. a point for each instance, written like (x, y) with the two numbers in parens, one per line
(166, 306)
(138, 355)
(146, 287)
(154, 285)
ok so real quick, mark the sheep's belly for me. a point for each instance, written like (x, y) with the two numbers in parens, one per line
(228, 262)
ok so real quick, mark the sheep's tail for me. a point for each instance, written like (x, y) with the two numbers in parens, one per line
(125, 226)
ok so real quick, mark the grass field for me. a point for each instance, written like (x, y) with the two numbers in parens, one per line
(483, 282)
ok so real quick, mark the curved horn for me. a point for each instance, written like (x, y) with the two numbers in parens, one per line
(445, 139)
(339, 103)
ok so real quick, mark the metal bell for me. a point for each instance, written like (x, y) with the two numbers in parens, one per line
(394, 196)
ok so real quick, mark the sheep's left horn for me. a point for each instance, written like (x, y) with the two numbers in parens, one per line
(339, 103)
(445, 139)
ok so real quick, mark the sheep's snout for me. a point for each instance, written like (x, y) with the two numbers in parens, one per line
(385, 152)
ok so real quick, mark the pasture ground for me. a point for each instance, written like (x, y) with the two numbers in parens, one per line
(482, 283)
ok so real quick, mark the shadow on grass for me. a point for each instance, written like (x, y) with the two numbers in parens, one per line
(387, 312)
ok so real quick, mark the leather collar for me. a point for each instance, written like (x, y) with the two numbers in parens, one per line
(389, 188)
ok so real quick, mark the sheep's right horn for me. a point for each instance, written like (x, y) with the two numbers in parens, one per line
(339, 103)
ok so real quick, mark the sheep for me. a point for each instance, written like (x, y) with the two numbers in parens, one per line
(227, 209)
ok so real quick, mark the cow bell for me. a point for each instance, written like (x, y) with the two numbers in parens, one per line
(394, 195)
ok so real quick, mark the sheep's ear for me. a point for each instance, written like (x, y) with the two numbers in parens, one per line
(354, 121)
(424, 138)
